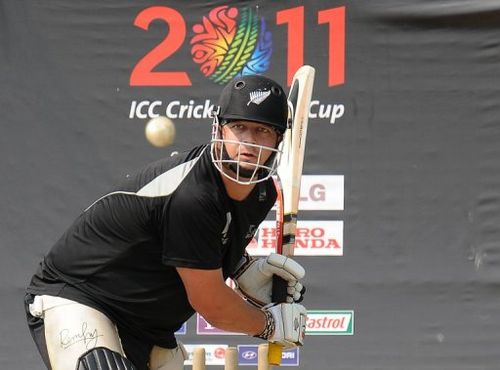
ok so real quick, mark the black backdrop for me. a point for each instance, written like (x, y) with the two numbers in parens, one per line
(417, 145)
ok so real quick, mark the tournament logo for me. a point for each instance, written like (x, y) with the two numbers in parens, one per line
(231, 42)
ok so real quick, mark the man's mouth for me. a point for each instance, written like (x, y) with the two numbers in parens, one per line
(248, 156)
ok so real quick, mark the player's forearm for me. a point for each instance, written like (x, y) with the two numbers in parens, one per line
(229, 312)
(221, 306)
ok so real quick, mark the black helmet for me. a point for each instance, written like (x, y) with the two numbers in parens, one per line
(254, 98)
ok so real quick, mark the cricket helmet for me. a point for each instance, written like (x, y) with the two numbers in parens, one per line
(254, 98)
(249, 98)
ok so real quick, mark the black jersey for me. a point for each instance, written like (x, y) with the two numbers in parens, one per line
(120, 255)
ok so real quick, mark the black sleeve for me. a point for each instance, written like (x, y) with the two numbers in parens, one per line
(193, 224)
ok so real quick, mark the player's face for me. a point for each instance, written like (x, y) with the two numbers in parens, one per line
(248, 137)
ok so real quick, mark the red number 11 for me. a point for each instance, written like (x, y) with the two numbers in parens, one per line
(335, 18)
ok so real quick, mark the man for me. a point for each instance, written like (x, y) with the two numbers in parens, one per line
(140, 260)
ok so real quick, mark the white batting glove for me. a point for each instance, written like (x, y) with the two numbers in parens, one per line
(289, 324)
(254, 278)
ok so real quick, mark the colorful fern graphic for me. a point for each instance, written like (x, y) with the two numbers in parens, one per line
(261, 58)
(213, 38)
(229, 43)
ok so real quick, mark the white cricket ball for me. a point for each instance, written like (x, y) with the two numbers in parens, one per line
(160, 131)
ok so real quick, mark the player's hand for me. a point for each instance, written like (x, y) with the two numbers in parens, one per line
(254, 278)
(290, 324)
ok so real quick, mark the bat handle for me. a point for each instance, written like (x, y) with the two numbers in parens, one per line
(274, 355)
(279, 295)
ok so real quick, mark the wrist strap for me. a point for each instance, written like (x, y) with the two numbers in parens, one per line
(269, 328)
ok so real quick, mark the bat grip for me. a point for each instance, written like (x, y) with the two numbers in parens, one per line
(279, 292)
(279, 295)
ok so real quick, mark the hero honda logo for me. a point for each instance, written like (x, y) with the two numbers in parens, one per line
(313, 238)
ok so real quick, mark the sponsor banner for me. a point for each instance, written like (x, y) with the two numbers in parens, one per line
(248, 356)
(319, 322)
(182, 330)
(330, 322)
(204, 328)
(321, 193)
(313, 238)
(214, 353)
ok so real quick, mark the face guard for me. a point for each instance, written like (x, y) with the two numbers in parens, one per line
(232, 167)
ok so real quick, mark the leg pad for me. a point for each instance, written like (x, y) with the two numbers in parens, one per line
(101, 358)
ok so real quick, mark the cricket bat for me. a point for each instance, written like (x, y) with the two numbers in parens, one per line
(288, 180)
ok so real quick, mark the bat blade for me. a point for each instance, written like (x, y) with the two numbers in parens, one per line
(290, 174)
(290, 170)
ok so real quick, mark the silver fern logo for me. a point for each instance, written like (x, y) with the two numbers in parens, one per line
(258, 96)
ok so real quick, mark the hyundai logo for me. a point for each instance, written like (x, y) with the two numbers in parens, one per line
(249, 355)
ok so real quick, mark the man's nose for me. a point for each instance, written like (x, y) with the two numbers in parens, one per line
(250, 136)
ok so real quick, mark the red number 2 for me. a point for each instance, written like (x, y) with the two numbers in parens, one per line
(142, 74)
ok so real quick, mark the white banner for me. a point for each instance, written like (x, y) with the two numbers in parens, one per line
(313, 238)
(321, 193)
(214, 353)
(330, 322)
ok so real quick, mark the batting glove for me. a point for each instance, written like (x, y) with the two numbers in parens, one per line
(254, 276)
(285, 324)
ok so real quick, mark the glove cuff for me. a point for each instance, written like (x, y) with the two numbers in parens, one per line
(242, 266)
(269, 328)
